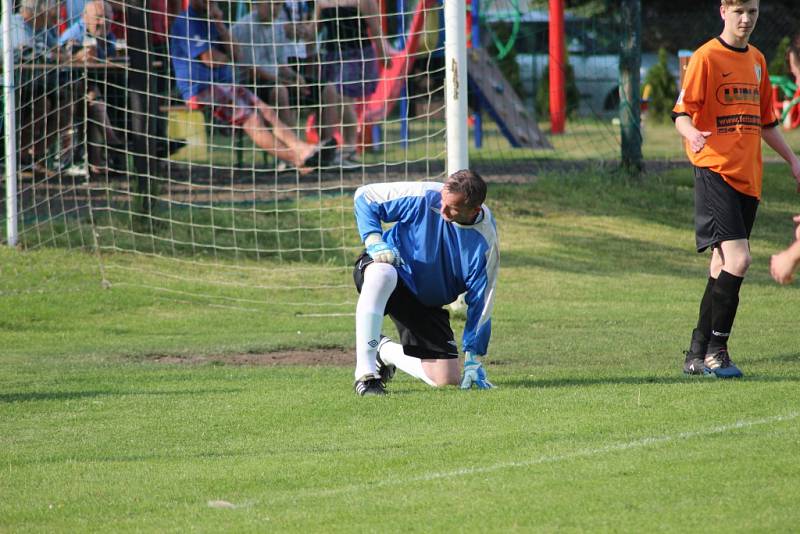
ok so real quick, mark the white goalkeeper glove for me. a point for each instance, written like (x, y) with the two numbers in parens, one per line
(380, 251)
(474, 373)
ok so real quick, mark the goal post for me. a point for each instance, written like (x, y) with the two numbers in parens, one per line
(9, 120)
(456, 85)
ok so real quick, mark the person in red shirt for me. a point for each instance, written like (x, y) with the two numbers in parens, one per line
(723, 112)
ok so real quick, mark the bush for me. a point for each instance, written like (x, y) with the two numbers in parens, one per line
(663, 89)
(777, 67)
(543, 92)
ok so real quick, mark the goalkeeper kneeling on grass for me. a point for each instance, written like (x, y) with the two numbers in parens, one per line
(443, 243)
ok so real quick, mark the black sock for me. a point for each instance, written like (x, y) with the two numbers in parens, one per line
(702, 333)
(724, 302)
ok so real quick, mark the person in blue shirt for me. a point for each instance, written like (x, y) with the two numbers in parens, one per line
(91, 34)
(90, 39)
(202, 53)
(443, 243)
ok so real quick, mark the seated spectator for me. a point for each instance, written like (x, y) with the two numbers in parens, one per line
(351, 42)
(202, 50)
(90, 40)
(90, 36)
(264, 52)
(31, 40)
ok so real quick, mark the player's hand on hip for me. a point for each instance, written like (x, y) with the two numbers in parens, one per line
(474, 374)
(379, 250)
(698, 140)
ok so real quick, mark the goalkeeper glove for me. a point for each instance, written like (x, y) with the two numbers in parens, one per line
(474, 373)
(380, 251)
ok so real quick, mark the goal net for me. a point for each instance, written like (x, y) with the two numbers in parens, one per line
(210, 150)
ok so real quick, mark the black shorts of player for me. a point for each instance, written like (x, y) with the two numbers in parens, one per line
(721, 213)
(425, 331)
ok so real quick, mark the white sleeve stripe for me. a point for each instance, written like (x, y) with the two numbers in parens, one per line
(489, 233)
(380, 193)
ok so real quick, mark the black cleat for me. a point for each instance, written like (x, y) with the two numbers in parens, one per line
(694, 364)
(369, 384)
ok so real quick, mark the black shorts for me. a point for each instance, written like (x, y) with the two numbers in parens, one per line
(721, 213)
(425, 331)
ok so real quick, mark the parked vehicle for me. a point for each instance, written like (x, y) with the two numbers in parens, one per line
(592, 48)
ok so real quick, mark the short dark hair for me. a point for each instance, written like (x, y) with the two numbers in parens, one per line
(468, 183)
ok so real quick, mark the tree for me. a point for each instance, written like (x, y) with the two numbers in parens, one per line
(663, 89)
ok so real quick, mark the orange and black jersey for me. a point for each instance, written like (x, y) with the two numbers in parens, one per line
(726, 91)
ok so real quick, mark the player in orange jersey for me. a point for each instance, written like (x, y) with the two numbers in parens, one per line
(723, 112)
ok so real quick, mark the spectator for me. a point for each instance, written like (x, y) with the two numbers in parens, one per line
(147, 28)
(351, 41)
(793, 66)
(90, 40)
(264, 57)
(783, 264)
(297, 18)
(73, 11)
(793, 58)
(31, 40)
(202, 50)
(90, 36)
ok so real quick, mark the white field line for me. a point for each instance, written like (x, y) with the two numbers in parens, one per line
(583, 453)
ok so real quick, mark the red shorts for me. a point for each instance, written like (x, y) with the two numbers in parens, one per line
(230, 104)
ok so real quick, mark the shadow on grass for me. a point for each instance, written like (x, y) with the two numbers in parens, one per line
(34, 396)
(637, 380)
(606, 254)
(778, 358)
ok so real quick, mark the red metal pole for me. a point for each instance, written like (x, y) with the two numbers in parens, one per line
(558, 99)
(384, 21)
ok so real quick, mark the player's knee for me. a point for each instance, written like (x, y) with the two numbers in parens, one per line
(380, 274)
(449, 376)
(738, 265)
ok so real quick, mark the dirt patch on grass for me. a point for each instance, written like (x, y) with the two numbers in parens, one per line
(315, 357)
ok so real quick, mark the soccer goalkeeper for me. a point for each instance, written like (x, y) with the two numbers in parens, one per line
(443, 243)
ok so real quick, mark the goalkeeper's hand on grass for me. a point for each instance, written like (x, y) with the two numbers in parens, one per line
(474, 373)
(380, 251)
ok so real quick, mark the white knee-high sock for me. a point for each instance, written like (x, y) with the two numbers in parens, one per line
(380, 279)
(392, 354)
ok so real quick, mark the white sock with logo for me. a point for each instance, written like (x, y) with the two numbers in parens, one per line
(392, 354)
(380, 279)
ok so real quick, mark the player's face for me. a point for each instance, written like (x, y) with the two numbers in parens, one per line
(740, 20)
(455, 209)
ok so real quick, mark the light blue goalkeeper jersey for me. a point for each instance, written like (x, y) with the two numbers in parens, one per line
(441, 259)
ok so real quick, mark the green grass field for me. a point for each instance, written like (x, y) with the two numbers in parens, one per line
(593, 427)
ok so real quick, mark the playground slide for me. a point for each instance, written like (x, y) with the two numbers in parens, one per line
(495, 95)
(380, 103)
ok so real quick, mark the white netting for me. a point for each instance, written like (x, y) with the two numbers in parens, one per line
(230, 145)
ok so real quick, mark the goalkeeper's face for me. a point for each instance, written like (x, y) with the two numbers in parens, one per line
(455, 208)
